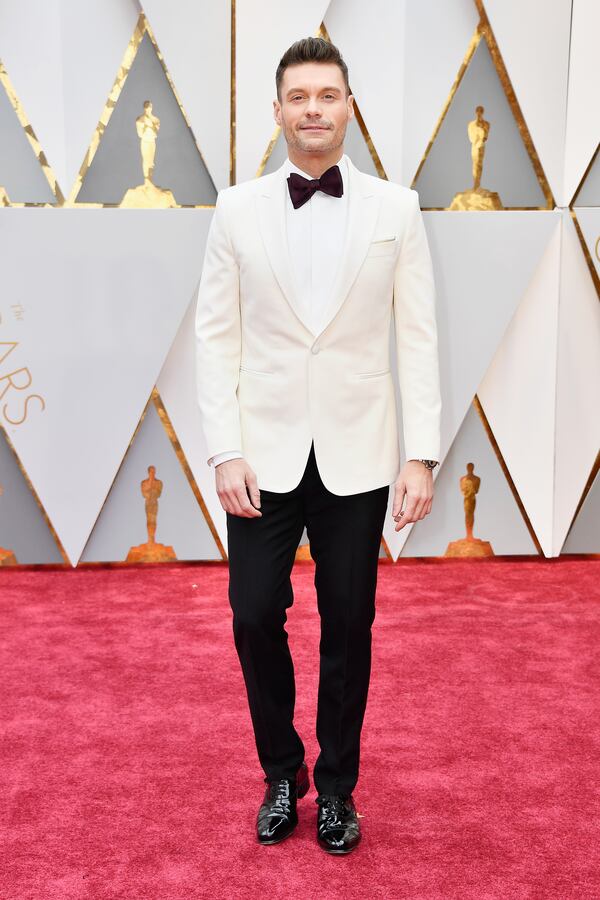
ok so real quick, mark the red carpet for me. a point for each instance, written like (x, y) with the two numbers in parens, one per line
(129, 768)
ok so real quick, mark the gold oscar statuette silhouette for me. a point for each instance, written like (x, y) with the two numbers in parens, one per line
(148, 195)
(151, 488)
(477, 198)
(469, 545)
(7, 557)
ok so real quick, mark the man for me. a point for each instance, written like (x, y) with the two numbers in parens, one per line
(304, 270)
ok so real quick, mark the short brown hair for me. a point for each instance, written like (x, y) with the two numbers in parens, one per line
(310, 49)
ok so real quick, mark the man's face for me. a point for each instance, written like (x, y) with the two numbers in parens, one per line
(314, 111)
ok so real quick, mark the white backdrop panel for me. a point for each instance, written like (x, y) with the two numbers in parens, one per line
(518, 392)
(93, 300)
(578, 381)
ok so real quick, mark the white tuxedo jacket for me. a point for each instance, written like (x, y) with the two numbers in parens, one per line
(268, 386)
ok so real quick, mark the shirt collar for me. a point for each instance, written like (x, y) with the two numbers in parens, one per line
(342, 163)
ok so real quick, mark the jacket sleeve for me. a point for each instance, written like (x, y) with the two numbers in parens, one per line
(218, 338)
(416, 340)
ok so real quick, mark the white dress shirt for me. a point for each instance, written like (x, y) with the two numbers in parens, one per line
(315, 235)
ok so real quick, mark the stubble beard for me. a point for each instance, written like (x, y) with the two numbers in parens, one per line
(295, 140)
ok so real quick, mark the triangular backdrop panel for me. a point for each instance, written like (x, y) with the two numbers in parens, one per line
(589, 223)
(270, 28)
(518, 391)
(77, 49)
(194, 37)
(122, 522)
(540, 88)
(101, 296)
(583, 109)
(578, 381)
(507, 168)
(355, 146)
(497, 516)
(21, 174)
(423, 46)
(23, 528)
(584, 536)
(483, 265)
(117, 163)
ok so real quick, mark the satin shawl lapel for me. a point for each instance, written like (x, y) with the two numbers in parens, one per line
(363, 209)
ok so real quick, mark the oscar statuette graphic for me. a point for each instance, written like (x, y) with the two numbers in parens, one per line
(4, 201)
(479, 198)
(7, 557)
(469, 545)
(148, 195)
(151, 489)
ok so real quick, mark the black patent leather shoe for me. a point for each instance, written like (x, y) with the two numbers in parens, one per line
(338, 829)
(277, 816)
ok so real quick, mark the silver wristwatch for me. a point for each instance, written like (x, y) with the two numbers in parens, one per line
(430, 463)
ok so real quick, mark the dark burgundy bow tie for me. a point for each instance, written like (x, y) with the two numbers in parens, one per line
(302, 189)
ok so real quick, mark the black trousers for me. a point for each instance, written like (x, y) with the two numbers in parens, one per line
(345, 536)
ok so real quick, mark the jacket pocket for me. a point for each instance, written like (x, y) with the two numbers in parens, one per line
(254, 371)
(385, 247)
(379, 374)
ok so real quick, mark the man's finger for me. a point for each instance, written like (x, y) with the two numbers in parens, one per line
(399, 491)
(420, 508)
(246, 507)
(253, 489)
(409, 511)
(231, 503)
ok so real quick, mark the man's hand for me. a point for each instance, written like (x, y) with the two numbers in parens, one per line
(232, 476)
(416, 482)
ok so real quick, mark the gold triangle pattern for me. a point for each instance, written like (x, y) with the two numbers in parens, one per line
(166, 423)
(35, 144)
(484, 31)
(142, 28)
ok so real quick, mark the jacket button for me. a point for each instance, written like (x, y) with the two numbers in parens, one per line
(315, 348)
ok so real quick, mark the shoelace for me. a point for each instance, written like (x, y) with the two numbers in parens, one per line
(333, 804)
(279, 796)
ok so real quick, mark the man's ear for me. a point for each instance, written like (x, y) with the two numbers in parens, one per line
(276, 111)
(350, 106)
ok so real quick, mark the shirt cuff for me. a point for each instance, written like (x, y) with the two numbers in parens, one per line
(224, 456)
